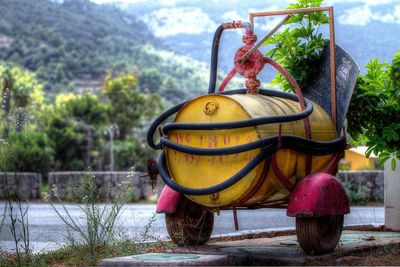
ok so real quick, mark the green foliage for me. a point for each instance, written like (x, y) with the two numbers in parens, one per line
(74, 125)
(100, 228)
(26, 152)
(356, 195)
(75, 41)
(128, 108)
(298, 48)
(374, 111)
(24, 89)
(150, 79)
(86, 108)
(131, 152)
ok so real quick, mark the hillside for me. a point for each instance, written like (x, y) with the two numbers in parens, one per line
(367, 29)
(75, 42)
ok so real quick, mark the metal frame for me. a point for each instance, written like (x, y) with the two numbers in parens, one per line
(328, 9)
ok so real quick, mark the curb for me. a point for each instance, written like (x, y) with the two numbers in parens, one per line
(278, 250)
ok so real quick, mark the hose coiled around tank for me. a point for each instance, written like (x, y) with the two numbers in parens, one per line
(267, 145)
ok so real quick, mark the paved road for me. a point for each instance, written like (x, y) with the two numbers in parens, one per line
(47, 230)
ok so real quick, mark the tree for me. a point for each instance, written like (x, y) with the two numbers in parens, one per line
(22, 95)
(74, 125)
(150, 79)
(128, 108)
(26, 151)
(374, 111)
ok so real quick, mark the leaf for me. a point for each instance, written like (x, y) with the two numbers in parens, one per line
(393, 164)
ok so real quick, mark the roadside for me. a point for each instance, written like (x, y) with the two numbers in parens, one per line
(369, 246)
(376, 247)
(47, 230)
(388, 255)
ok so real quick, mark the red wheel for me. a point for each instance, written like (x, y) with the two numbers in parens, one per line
(319, 235)
(191, 224)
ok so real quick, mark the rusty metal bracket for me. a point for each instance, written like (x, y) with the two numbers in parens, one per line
(328, 9)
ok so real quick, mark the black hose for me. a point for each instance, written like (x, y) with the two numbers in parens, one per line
(267, 145)
(157, 122)
(298, 144)
(227, 125)
(162, 168)
(214, 59)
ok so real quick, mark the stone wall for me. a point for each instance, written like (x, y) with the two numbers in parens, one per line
(108, 183)
(366, 185)
(27, 183)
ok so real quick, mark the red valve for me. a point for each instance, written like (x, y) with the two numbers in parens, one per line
(247, 63)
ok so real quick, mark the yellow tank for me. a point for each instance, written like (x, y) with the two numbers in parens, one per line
(204, 171)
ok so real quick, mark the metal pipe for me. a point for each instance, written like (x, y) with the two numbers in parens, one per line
(329, 9)
(235, 218)
(286, 12)
(255, 47)
(332, 63)
(215, 47)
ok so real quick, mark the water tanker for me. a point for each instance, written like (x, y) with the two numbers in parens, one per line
(257, 148)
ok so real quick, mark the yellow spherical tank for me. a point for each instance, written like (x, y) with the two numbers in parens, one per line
(260, 185)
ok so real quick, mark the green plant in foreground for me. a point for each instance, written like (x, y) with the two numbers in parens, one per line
(15, 209)
(298, 47)
(374, 111)
(17, 212)
(98, 228)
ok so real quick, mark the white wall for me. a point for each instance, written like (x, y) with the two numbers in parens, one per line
(392, 196)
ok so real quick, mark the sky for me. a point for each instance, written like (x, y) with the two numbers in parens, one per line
(172, 2)
(172, 19)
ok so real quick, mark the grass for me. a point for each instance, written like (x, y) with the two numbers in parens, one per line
(388, 255)
(78, 255)
(72, 255)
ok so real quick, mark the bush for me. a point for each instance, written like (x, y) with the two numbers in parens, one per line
(131, 153)
(26, 152)
(100, 227)
(299, 47)
(374, 111)
(75, 127)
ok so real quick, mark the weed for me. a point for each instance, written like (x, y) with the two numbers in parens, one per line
(3, 217)
(98, 227)
(145, 235)
(16, 210)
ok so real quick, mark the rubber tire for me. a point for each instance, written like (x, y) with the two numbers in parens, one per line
(181, 225)
(319, 235)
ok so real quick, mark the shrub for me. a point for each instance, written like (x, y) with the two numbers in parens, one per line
(26, 152)
(99, 228)
(374, 111)
(130, 153)
(75, 127)
(299, 47)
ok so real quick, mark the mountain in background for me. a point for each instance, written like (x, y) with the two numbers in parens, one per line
(71, 44)
(366, 29)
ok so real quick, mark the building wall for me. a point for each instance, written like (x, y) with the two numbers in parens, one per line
(356, 161)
